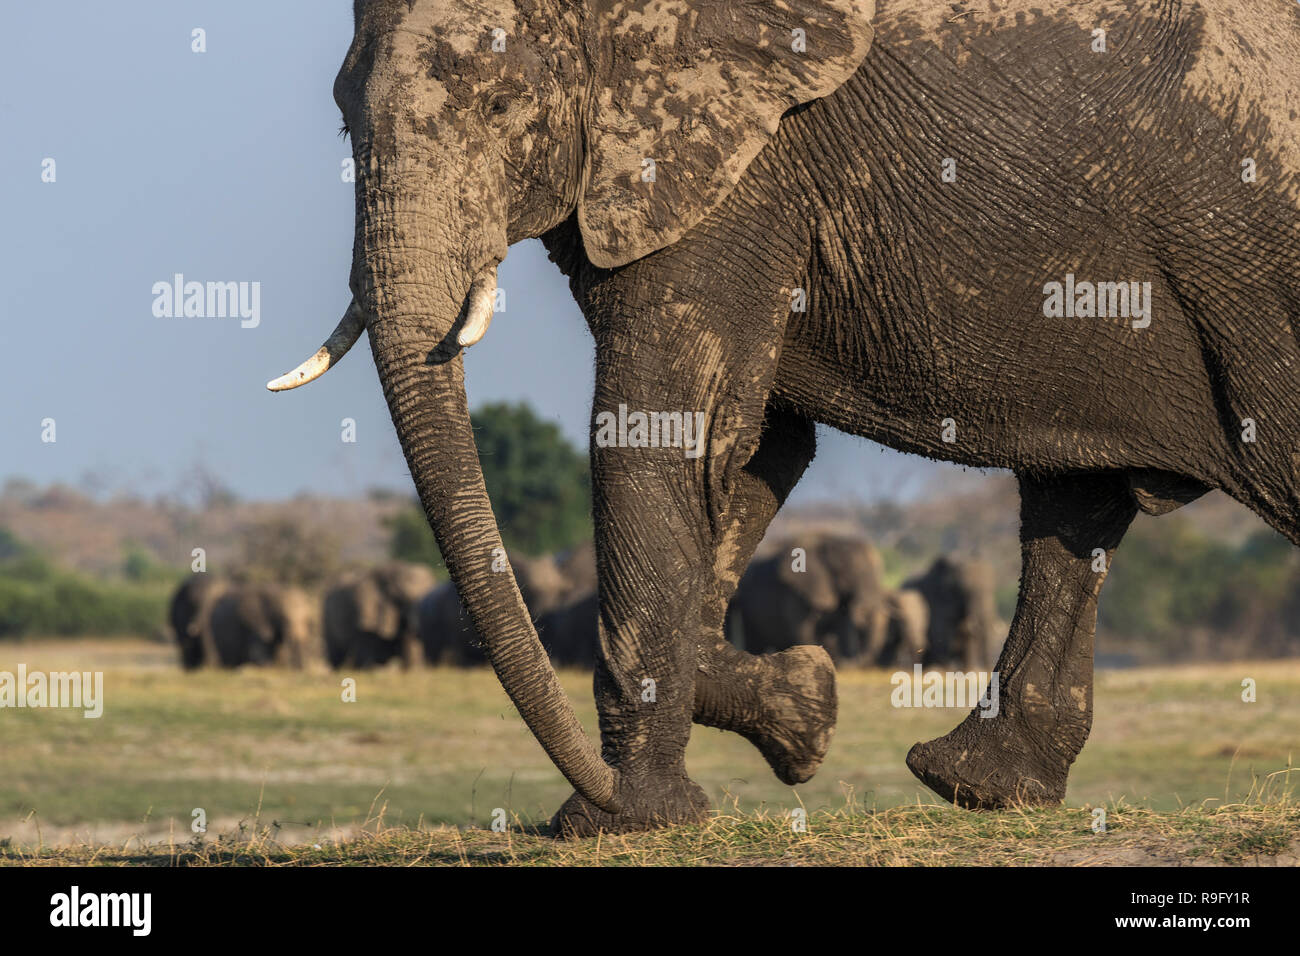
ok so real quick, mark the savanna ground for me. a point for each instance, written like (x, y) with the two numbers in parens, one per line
(414, 769)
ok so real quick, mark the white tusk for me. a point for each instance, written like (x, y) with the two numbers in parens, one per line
(482, 299)
(336, 346)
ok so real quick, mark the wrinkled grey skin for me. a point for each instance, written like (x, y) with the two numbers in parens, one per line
(190, 616)
(837, 600)
(821, 171)
(963, 628)
(371, 617)
(446, 633)
(265, 625)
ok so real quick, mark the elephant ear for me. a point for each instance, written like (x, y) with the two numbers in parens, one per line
(696, 89)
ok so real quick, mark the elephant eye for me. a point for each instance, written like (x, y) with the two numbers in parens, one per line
(500, 104)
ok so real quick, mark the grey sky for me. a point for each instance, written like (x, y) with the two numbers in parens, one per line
(225, 166)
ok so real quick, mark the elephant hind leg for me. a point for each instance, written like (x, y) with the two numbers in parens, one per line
(783, 703)
(1019, 751)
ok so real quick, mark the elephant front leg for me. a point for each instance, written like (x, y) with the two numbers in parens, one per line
(648, 523)
(671, 353)
(1044, 701)
(782, 703)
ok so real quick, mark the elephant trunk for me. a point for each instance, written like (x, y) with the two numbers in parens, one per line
(423, 380)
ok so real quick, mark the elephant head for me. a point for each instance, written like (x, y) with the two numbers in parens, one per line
(264, 624)
(963, 616)
(542, 583)
(474, 126)
(809, 579)
(857, 574)
(376, 613)
(578, 565)
(909, 620)
(297, 621)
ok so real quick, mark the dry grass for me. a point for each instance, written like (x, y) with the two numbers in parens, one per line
(414, 769)
(1262, 832)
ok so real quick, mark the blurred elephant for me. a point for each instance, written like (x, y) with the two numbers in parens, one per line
(445, 631)
(830, 593)
(963, 619)
(190, 614)
(372, 617)
(265, 624)
(578, 565)
(569, 632)
(857, 574)
(902, 640)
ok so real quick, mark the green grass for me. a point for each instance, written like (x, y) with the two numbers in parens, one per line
(280, 755)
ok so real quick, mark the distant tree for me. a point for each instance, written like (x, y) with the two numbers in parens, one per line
(10, 545)
(289, 551)
(540, 486)
(410, 539)
(206, 488)
(140, 566)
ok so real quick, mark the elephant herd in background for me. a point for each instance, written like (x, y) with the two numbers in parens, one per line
(228, 623)
(560, 593)
(825, 590)
(832, 592)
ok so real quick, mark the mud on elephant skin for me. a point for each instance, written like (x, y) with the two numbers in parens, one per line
(819, 167)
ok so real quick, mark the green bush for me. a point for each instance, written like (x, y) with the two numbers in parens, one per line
(38, 598)
(540, 486)
(1172, 581)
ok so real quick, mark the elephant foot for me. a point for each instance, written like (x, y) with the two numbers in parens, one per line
(648, 802)
(799, 706)
(991, 764)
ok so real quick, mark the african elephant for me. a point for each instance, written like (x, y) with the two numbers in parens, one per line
(190, 615)
(569, 632)
(975, 237)
(446, 632)
(782, 600)
(265, 624)
(963, 619)
(819, 591)
(371, 617)
(578, 566)
(904, 636)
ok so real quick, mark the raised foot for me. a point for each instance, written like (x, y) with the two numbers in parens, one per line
(648, 802)
(799, 710)
(990, 764)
